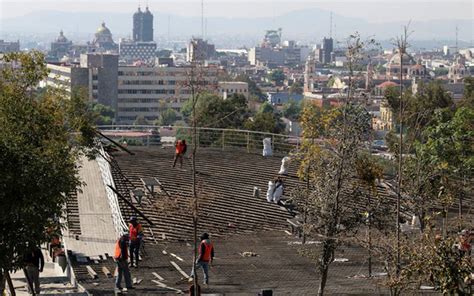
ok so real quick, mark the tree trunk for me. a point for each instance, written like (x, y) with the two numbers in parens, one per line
(322, 281)
(327, 256)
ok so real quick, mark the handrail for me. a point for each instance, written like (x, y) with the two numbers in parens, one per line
(104, 127)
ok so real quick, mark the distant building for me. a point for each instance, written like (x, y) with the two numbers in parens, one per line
(141, 90)
(103, 40)
(199, 50)
(60, 47)
(458, 70)
(97, 73)
(137, 50)
(327, 49)
(228, 88)
(411, 69)
(288, 54)
(143, 25)
(6, 46)
(280, 98)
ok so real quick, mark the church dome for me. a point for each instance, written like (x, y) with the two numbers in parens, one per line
(407, 59)
(61, 37)
(103, 30)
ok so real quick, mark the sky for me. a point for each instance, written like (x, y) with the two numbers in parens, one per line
(370, 10)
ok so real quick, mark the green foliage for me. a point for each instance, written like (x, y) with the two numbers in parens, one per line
(141, 120)
(291, 110)
(441, 71)
(266, 107)
(213, 111)
(104, 115)
(277, 76)
(437, 260)
(41, 139)
(265, 122)
(167, 117)
(468, 99)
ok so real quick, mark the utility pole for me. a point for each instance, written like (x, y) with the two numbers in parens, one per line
(202, 19)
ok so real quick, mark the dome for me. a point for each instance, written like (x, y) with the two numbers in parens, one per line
(102, 30)
(387, 84)
(407, 59)
(61, 37)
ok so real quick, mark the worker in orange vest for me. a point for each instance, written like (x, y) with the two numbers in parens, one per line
(136, 236)
(206, 255)
(181, 148)
(121, 259)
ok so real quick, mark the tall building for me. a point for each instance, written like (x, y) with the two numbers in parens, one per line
(199, 50)
(143, 25)
(327, 49)
(60, 47)
(6, 46)
(96, 73)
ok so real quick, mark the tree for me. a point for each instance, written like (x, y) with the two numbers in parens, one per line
(291, 110)
(276, 76)
(141, 120)
(265, 122)
(104, 115)
(41, 140)
(468, 99)
(213, 111)
(330, 170)
(167, 117)
(266, 107)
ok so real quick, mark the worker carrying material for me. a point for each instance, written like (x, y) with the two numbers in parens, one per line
(285, 163)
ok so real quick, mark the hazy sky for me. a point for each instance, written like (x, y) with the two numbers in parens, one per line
(371, 10)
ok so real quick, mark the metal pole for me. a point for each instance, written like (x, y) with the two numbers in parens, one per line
(248, 142)
(223, 140)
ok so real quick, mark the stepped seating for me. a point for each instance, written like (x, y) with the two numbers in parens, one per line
(72, 212)
(225, 183)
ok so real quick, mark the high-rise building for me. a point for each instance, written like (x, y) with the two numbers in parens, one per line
(6, 46)
(143, 25)
(199, 50)
(327, 49)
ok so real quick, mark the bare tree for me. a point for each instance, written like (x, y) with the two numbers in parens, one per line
(402, 46)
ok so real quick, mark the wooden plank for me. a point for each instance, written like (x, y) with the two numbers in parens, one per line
(106, 271)
(91, 272)
(167, 287)
(179, 269)
(177, 257)
(158, 276)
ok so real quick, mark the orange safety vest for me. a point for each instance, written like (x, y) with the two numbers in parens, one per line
(180, 147)
(135, 231)
(118, 251)
(206, 257)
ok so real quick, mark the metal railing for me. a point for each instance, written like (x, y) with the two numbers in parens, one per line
(106, 172)
(251, 141)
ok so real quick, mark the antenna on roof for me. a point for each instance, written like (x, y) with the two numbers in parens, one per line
(202, 19)
(457, 31)
(330, 25)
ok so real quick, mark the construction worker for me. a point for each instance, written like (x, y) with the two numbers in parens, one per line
(121, 259)
(136, 236)
(181, 148)
(206, 255)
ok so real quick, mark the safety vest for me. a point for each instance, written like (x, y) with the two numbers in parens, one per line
(135, 231)
(118, 251)
(206, 257)
(180, 147)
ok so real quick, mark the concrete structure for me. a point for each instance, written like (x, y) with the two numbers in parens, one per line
(280, 98)
(143, 25)
(60, 47)
(141, 90)
(327, 49)
(130, 51)
(97, 73)
(457, 71)
(199, 50)
(103, 40)
(6, 46)
(227, 88)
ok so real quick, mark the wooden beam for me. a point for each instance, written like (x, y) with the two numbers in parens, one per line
(131, 205)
